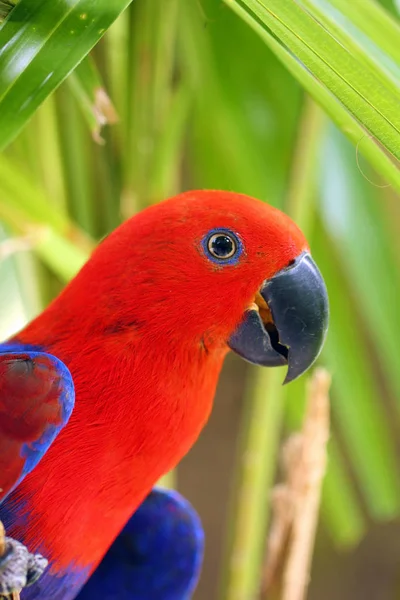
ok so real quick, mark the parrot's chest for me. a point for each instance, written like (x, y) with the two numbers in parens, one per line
(105, 462)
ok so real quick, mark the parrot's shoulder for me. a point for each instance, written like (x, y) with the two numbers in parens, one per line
(36, 400)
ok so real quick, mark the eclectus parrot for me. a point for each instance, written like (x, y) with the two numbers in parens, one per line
(139, 337)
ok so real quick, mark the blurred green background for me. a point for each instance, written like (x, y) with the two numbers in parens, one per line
(203, 101)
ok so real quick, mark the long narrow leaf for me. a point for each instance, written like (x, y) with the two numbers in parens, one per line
(338, 113)
(356, 401)
(375, 22)
(363, 48)
(358, 89)
(41, 42)
(351, 207)
(25, 209)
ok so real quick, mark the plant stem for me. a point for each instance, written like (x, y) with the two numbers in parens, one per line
(258, 448)
(307, 483)
(300, 204)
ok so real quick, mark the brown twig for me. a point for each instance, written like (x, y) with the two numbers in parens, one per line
(296, 501)
(2, 539)
(313, 463)
(283, 508)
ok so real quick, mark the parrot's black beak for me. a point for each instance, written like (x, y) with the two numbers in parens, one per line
(288, 321)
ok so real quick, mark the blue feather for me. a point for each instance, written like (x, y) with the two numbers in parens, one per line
(157, 556)
(62, 394)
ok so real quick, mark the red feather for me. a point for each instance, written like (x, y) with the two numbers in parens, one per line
(30, 403)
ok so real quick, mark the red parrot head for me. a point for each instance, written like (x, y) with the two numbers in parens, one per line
(212, 270)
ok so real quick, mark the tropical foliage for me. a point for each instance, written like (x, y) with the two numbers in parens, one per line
(292, 101)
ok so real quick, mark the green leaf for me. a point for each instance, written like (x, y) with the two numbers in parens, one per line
(338, 113)
(25, 209)
(356, 398)
(150, 92)
(165, 177)
(343, 26)
(41, 42)
(340, 507)
(247, 144)
(61, 255)
(258, 458)
(377, 24)
(350, 205)
(19, 297)
(18, 190)
(357, 87)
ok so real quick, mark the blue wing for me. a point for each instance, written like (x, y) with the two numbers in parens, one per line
(36, 401)
(157, 556)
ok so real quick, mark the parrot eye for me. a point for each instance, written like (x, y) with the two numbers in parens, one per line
(222, 246)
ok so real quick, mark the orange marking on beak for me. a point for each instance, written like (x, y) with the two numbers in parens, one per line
(263, 309)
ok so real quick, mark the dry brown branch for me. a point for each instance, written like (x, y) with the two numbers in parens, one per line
(2, 539)
(313, 463)
(282, 508)
(295, 503)
(104, 112)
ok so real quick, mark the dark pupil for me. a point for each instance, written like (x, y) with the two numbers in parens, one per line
(222, 246)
